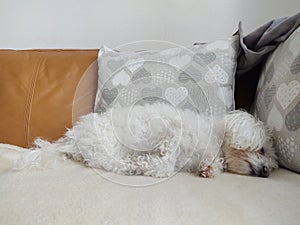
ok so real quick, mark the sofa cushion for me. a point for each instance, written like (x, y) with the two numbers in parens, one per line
(199, 78)
(278, 100)
(44, 91)
(72, 194)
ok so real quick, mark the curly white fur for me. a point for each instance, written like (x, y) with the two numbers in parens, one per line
(154, 140)
(244, 131)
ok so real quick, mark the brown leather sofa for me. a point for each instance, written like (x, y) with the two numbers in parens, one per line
(43, 92)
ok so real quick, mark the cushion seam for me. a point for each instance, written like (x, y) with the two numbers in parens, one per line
(28, 106)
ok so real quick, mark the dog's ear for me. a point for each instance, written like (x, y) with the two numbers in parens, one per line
(236, 161)
(244, 131)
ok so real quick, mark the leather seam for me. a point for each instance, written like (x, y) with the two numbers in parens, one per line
(29, 101)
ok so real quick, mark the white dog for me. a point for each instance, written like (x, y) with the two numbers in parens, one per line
(158, 140)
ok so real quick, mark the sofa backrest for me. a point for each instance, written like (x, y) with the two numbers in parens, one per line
(43, 92)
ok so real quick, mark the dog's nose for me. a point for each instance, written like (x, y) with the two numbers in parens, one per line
(264, 172)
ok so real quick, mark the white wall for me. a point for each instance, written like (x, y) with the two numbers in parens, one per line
(91, 23)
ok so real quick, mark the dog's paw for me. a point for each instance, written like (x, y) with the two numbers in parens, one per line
(206, 172)
(76, 157)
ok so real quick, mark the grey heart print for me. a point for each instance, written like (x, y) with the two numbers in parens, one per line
(198, 97)
(142, 76)
(151, 95)
(184, 77)
(208, 57)
(100, 109)
(292, 119)
(269, 74)
(268, 95)
(190, 73)
(204, 59)
(295, 67)
(109, 95)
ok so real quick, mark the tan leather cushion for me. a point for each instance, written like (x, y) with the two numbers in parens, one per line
(42, 92)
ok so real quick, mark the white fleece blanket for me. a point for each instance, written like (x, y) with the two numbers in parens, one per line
(74, 194)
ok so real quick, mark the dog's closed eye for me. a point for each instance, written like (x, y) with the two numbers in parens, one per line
(261, 151)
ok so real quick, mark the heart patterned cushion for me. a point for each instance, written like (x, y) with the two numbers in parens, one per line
(278, 100)
(198, 78)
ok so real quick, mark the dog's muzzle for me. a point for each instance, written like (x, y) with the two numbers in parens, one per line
(264, 172)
